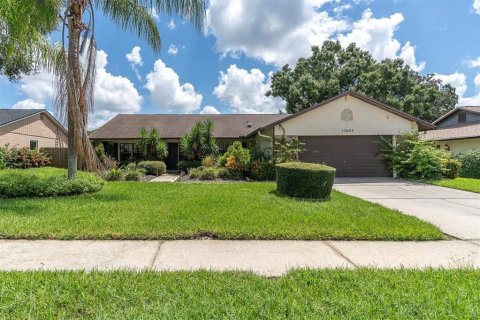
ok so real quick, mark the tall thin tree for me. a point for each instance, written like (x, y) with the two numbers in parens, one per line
(74, 64)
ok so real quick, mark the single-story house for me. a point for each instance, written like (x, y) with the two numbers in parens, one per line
(31, 128)
(457, 130)
(342, 132)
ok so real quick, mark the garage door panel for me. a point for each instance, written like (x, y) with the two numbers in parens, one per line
(352, 156)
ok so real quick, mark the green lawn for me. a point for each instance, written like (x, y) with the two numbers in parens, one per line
(331, 294)
(466, 184)
(139, 210)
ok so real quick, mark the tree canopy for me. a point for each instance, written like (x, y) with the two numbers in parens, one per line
(24, 26)
(332, 70)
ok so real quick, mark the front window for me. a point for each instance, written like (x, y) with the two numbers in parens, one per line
(33, 145)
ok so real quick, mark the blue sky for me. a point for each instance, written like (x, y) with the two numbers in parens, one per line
(225, 68)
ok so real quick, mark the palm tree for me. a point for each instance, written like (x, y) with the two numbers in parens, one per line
(74, 62)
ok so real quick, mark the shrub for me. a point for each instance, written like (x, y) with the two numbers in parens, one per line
(24, 158)
(199, 141)
(236, 159)
(305, 180)
(208, 173)
(287, 150)
(185, 165)
(31, 183)
(208, 161)
(155, 168)
(223, 173)
(263, 170)
(100, 151)
(110, 163)
(415, 158)
(134, 174)
(470, 163)
(262, 154)
(194, 173)
(452, 168)
(3, 159)
(114, 175)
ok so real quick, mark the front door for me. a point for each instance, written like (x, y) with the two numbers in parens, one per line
(172, 158)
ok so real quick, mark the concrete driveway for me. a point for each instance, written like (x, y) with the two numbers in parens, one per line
(455, 212)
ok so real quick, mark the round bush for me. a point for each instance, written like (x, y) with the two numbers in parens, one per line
(305, 180)
(156, 168)
(29, 183)
(470, 163)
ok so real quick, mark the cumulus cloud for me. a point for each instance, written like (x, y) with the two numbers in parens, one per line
(378, 37)
(171, 25)
(113, 94)
(135, 59)
(209, 110)
(245, 90)
(459, 81)
(166, 92)
(172, 49)
(28, 104)
(279, 32)
(473, 63)
(276, 32)
(476, 6)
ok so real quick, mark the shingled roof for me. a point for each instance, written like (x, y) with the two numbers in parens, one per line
(11, 115)
(458, 132)
(174, 126)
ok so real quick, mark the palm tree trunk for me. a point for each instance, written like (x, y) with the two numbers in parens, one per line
(79, 146)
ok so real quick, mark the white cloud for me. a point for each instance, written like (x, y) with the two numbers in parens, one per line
(135, 59)
(171, 25)
(276, 32)
(209, 110)
(38, 87)
(168, 94)
(473, 63)
(459, 81)
(172, 49)
(245, 91)
(28, 104)
(113, 94)
(476, 6)
(154, 14)
(377, 37)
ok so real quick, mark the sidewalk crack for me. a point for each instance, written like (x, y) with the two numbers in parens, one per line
(337, 251)
(157, 252)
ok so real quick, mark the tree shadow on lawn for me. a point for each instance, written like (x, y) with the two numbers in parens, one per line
(314, 200)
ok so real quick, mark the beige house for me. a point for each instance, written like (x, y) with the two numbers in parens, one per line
(342, 132)
(31, 128)
(458, 130)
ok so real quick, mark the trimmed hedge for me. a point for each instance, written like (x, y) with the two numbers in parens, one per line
(29, 183)
(470, 163)
(156, 168)
(305, 180)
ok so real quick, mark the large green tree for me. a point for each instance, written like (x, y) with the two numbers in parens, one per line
(24, 26)
(75, 61)
(332, 70)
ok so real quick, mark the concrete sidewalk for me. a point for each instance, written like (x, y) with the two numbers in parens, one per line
(268, 258)
(455, 212)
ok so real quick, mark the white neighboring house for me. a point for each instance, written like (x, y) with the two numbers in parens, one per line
(457, 130)
(31, 128)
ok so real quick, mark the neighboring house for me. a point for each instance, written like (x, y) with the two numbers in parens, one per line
(342, 132)
(31, 128)
(457, 130)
